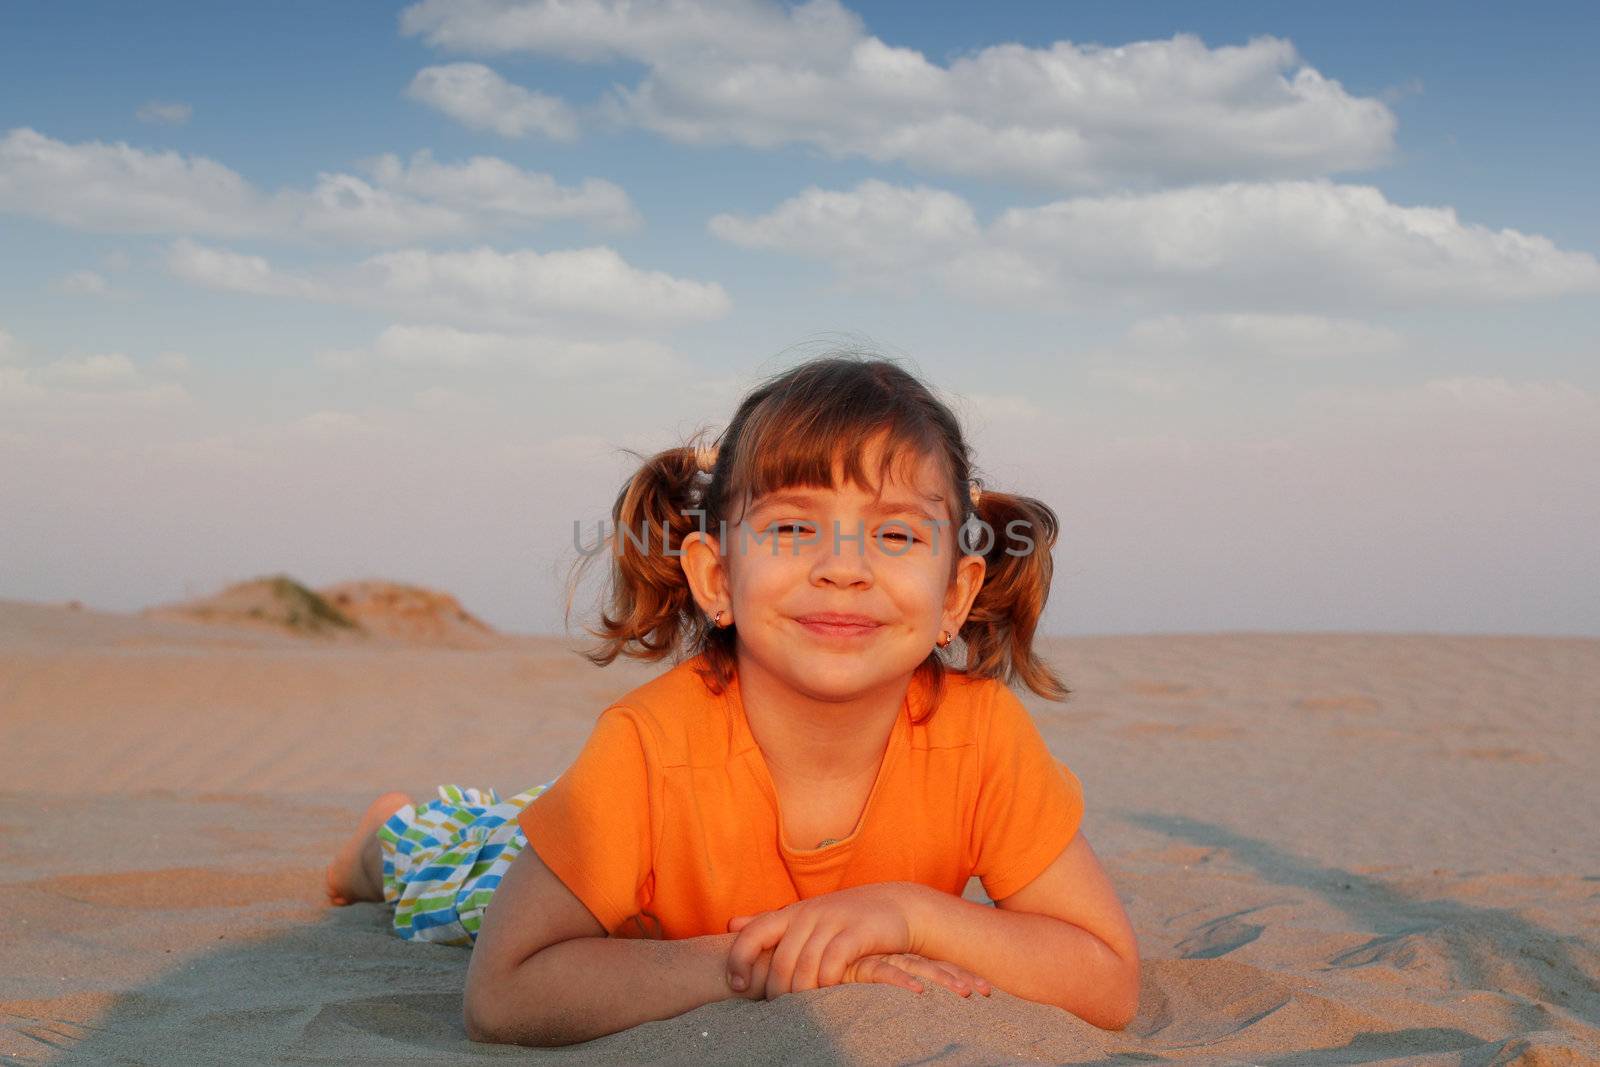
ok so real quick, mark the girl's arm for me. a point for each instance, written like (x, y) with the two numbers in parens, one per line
(589, 987)
(1062, 939)
(543, 971)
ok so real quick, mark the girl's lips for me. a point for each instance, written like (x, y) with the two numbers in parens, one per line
(839, 629)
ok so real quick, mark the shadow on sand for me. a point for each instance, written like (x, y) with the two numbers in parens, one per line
(340, 988)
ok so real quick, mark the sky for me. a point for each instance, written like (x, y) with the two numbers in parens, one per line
(1289, 312)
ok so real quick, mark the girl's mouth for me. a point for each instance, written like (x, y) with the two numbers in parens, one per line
(825, 627)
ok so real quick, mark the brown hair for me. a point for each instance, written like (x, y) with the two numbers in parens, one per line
(790, 431)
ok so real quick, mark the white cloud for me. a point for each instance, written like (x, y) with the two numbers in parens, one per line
(218, 268)
(421, 199)
(1283, 337)
(165, 113)
(875, 230)
(500, 191)
(1072, 116)
(1168, 354)
(978, 411)
(1530, 402)
(329, 427)
(1276, 246)
(476, 96)
(345, 208)
(587, 282)
(447, 348)
(599, 30)
(98, 382)
(479, 287)
(111, 370)
(85, 283)
(122, 189)
(442, 400)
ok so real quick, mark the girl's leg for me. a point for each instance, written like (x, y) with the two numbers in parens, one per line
(356, 873)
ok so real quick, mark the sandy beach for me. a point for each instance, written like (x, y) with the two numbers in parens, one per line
(1336, 848)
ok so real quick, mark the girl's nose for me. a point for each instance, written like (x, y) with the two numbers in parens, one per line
(842, 559)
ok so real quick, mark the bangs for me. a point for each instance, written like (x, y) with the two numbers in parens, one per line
(799, 443)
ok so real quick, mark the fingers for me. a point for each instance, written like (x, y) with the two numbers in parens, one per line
(780, 979)
(797, 949)
(805, 958)
(760, 934)
(947, 975)
(957, 979)
(978, 983)
(758, 977)
(835, 961)
(953, 977)
(922, 969)
(879, 969)
(808, 965)
(794, 949)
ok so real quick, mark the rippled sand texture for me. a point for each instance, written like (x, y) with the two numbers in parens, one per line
(1336, 849)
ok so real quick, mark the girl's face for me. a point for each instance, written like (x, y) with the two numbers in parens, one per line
(841, 591)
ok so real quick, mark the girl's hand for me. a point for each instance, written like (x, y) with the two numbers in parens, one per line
(815, 941)
(904, 968)
(756, 987)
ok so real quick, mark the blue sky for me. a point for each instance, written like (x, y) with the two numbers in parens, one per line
(1292, 318)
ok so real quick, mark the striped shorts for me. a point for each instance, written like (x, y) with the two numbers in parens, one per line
(442, 860)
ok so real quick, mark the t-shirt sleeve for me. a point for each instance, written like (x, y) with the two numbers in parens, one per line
(1029, 803)
(592, 826)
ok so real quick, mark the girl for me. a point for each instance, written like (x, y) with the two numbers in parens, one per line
(800, 801)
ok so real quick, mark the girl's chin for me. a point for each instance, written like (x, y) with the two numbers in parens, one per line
(838, 666)
(844, 673)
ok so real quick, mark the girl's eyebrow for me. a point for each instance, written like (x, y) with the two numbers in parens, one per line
(882, 507)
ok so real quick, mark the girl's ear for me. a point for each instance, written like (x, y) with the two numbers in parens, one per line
(970, 572)
(706, 570)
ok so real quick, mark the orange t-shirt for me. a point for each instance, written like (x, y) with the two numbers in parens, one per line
(666, 825)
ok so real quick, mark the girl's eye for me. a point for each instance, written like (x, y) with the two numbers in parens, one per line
(904, 538)
(802, 527)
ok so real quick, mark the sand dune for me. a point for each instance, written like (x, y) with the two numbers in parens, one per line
(1336, 848)
(366, 609)
(408, 613)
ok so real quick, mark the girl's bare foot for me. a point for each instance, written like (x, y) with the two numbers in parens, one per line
(356, 873)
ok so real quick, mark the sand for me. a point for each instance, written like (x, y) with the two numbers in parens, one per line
(1336, 848)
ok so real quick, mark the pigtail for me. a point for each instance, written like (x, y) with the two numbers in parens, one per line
(1015, 535)
(649, 611)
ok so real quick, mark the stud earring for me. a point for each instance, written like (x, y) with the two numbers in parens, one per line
(716, 620)
(947, 638)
